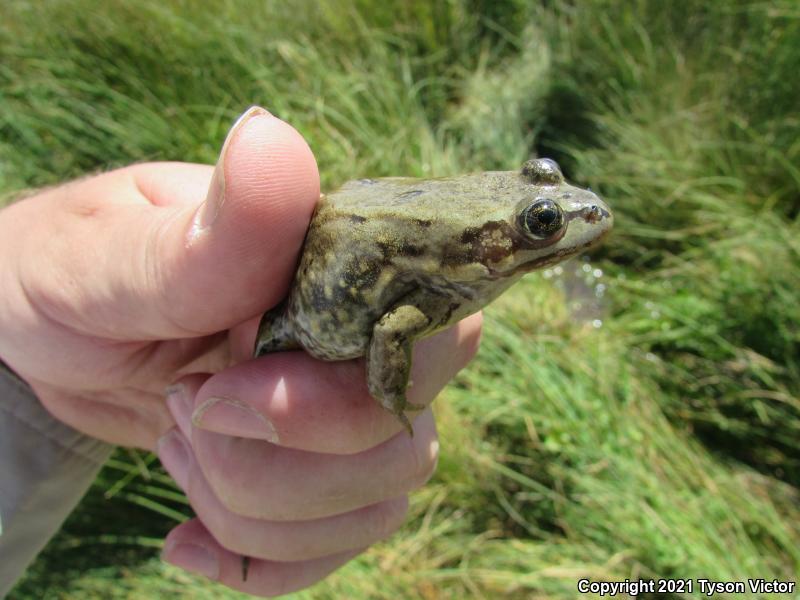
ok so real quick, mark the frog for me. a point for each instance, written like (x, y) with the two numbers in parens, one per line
(389, 261)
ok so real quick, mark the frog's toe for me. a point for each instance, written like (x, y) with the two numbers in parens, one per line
(401, 416)
(274, 332)
(398, 406)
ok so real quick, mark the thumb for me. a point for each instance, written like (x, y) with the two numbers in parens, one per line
(234, 256)
(138, 255)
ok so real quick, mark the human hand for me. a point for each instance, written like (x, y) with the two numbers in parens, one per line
(118, 285)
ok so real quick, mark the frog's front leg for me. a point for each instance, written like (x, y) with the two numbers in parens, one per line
(389, 358)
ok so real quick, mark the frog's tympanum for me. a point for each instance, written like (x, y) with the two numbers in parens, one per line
(389, 261)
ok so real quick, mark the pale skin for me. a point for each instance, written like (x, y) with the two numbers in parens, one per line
(153, 277)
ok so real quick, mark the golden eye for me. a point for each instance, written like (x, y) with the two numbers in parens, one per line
(543, 218)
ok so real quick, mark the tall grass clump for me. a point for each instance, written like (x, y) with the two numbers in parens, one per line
(702, 152)
(640, 419)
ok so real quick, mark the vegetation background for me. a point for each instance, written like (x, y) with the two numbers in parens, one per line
(638, 420)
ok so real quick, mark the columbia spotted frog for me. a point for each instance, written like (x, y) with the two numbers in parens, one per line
(389, 261)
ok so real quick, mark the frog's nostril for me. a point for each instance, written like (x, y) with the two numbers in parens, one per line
(593, 214)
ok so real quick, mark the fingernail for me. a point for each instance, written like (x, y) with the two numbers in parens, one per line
(233, 418)
(192, 557)
(208, 211)
(174, 455)
(178, 401)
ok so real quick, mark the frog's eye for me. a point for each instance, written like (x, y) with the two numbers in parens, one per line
(543, 218)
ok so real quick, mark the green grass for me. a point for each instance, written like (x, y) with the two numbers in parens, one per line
(664, 443)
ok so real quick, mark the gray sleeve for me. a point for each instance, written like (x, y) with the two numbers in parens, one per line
(45, 468)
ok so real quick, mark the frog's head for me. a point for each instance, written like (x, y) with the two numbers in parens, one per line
(548, 221)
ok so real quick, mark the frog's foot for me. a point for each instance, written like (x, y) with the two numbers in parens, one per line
(389, 359)
(401, 416)
(274, 333)
(397, 405)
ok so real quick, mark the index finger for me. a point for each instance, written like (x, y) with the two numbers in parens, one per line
(296, 401)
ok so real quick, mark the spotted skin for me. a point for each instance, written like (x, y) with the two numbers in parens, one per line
(389, 261)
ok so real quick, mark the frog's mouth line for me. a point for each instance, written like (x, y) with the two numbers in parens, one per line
(546, 261)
